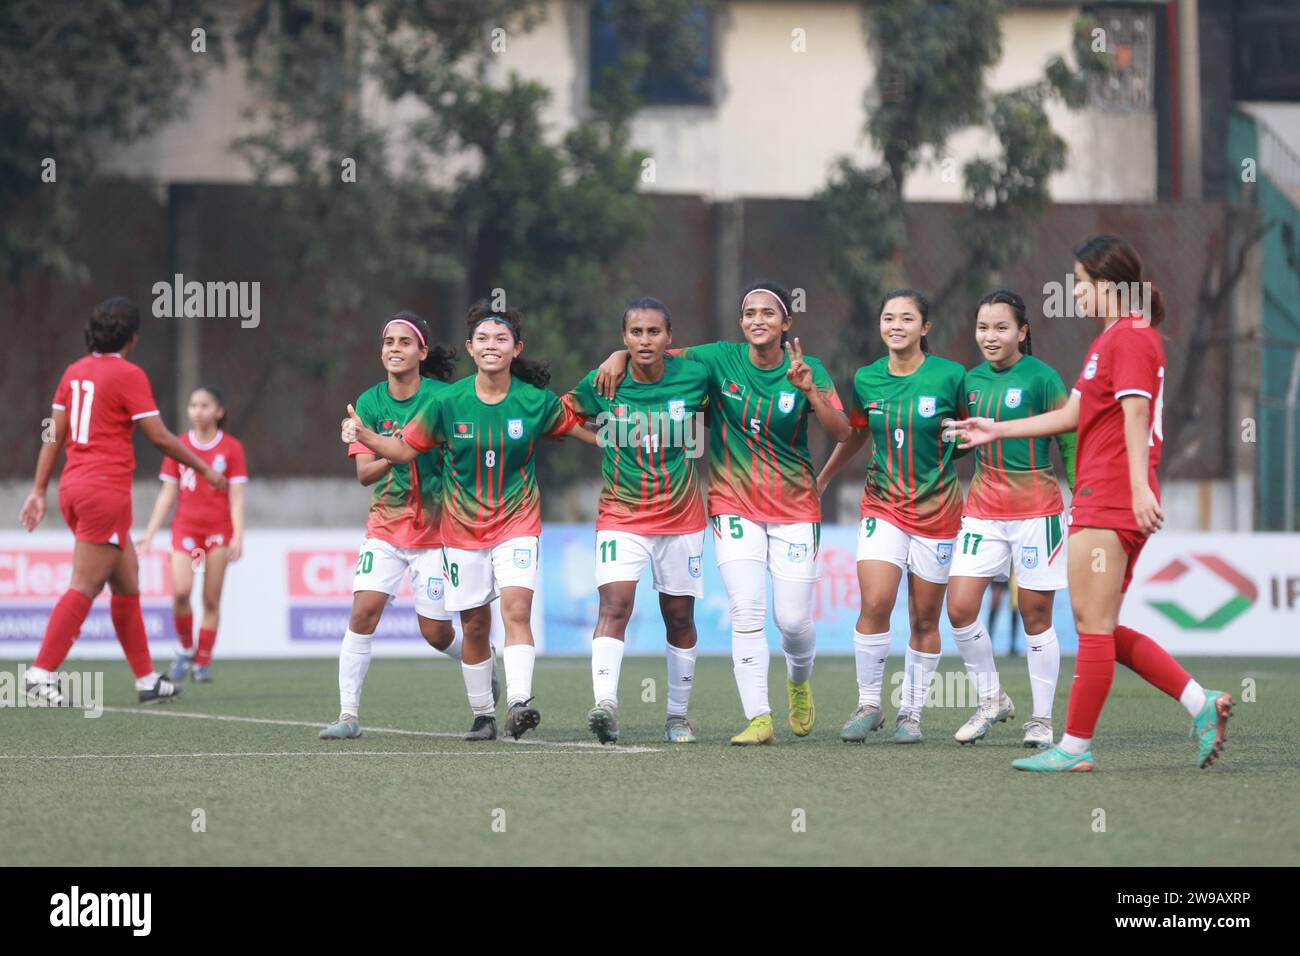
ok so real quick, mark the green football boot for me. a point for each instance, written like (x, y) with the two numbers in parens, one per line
(1210, 726)
(1056, 760)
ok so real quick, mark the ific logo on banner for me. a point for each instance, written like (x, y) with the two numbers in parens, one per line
(1229, 611)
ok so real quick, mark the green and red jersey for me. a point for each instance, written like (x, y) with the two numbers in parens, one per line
(1013, 476)
(489, 487)
(759, 466)
(911, 482)
(405, 503)
(649, 434)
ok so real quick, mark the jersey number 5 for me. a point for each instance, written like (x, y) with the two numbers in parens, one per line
(83, 395)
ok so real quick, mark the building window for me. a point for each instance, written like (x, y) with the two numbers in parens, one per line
(679, 75)
(1266, 36)
(1130, 35)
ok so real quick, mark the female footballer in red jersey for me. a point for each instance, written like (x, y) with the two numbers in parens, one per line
(1116, 407)
(911, 507)
(209, 527)
(763, 500)
(488, 424)
(97, 404)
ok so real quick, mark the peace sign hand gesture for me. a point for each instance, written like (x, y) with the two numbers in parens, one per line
(799, 373)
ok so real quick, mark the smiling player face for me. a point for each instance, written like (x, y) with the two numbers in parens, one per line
(646, 335)
(762, 319)
(901, 326)
(401, 352)
(997, 334)
(493, 346)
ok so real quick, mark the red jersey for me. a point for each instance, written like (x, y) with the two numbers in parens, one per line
(202, 507)
(104, 396)
(1126, 359)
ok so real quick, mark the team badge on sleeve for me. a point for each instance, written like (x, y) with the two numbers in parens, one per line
(943, 551)
(926, 406)
(798, 552)
(677, 409)
(1013, 397)
(693, 565)
(515, 427)
(1029, 558)
(786, 403)
(523, 557)
(219, 464)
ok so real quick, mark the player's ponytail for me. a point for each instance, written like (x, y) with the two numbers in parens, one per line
(782, 295)
(113, 324)
(1017, 305)
(532, 371)
(922, 305)
(1113, 259)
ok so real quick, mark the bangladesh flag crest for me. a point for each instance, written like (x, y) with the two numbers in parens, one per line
(733, 389)
(463, 429)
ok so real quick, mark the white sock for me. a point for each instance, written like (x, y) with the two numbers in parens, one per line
(749, 660)
(870, 651)
(606, 659)
(681, 678)
(354, 661)
(38, 675)
(478, 687)
(1075, 746)
(1192, 697)
(453, 650)
(918, 668)
(1044, 669)
(977, 651)
(800, 651)
(147, 681)
(519, 659)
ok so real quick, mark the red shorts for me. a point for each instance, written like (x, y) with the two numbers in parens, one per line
(1131, 541)
(188, 539)
(97, 514)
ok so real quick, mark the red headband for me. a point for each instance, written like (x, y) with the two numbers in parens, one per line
(413, 327)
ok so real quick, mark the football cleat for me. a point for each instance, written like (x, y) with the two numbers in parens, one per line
(1211, 726)
(200, 674)
(864, 720)
(46, 693)
(522, 717)
(803, 713)
(180, 668)
(992, 711)
(1038, 732)
(907, 729)
(1056, 760)
(161, 691)
(602, 720)
(345, 728)
(678, 730)
(484, 728)
(757, 733)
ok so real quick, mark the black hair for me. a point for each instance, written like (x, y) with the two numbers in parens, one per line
(778, 290)
(922, 306)
(1113, 259)
(1017, 304)
(113, 324)
(219, 398)
(440, 362)
(526, 370)
(651, 304)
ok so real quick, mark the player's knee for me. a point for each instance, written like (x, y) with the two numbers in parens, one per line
(437, 634)
(364, 620)
(678, 620)
(181, 602)
(877, 609)
(1036, 620)
(925, 623)
(616, 607)
(211, 605)
(792, 621)
(747, 614)
(962, 613)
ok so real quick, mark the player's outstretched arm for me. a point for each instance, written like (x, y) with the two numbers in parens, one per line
(33, 509)
(970, 432)
(162, 507)
(841, 455)
(385, 446)
(173, 447)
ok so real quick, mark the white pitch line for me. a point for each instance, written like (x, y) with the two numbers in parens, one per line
(284, 753)
(578, 744)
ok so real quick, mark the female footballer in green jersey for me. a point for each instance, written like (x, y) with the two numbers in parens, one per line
(489, 424)
(403, 537)
(763, 499)
(1012, 519)
(911, 507)
(651, 434)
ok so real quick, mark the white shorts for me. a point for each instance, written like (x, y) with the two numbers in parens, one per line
(380, 567)
(1034, 546)
(928, 558)
(674, 560)
(788, 550)
(476, 577)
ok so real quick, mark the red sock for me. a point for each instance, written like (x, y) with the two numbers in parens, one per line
(1094, 669)
(1150, 661)
(128, 622)
(62, 629)
(207, 639)
(185, 629)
